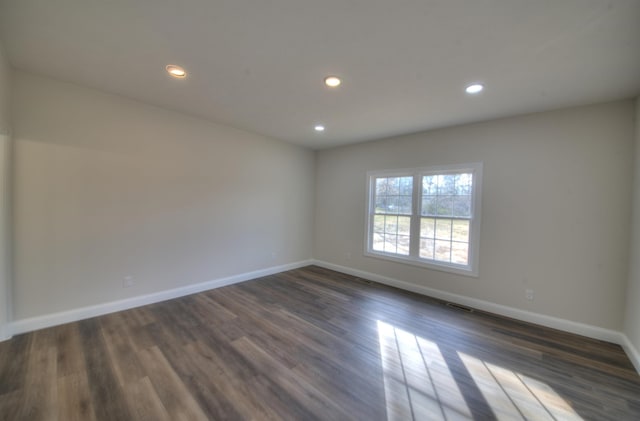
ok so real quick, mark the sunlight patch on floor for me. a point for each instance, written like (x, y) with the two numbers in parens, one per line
(513, 395)
(417, 381)
(419, 385)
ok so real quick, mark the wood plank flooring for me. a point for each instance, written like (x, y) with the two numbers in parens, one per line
(311, 344)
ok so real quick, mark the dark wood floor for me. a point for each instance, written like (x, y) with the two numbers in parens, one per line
(311, 344)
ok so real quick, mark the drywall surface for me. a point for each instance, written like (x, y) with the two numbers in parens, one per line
(632, 318)
(555, 208)
(109, 192)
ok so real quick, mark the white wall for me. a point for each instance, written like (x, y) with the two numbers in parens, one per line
(106, 188)
(5, 143)
(556, 208)
(632, 317)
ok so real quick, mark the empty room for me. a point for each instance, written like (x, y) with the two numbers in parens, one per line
(331, 210)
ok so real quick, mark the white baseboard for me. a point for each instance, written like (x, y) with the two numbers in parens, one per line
(527, 316)
(48, 320)
(632, 352)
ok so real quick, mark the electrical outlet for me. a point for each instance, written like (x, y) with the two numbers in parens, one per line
(528, 294)
(128, 281)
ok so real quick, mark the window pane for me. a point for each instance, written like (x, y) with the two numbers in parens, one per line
(390, 243)
(392, 204)
(387, 204)
(429, 185)
(460, 231)
(443, 229)
(445, 206)
(403, 244)
(462, 206)
(426, 249)
(463, 183)
(446, 184)
(391, 225)
(406, 186)
(460, 253)
(378, 223)
(393, 185)
(404, 225)
(443, 251)
(404, 205)
(378, 242)
(428, 227)
(381, 186)
(429, 205)
(381, 204)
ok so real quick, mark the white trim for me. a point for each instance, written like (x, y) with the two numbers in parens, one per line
(48, 320)
(527, 316)
(632, 352)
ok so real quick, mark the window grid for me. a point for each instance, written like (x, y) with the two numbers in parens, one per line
(446, 200)
(392, 215)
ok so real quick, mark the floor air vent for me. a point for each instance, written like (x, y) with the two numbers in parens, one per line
(460, 307)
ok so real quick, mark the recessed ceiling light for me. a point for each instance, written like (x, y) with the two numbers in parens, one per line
(319, 128)
(332, 81)
(474, 89)
(176, 71)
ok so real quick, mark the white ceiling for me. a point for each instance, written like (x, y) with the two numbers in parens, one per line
(259, 65)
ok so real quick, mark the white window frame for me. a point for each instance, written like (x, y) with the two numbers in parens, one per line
(471, 268)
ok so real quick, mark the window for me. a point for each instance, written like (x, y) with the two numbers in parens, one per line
(426, 216)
